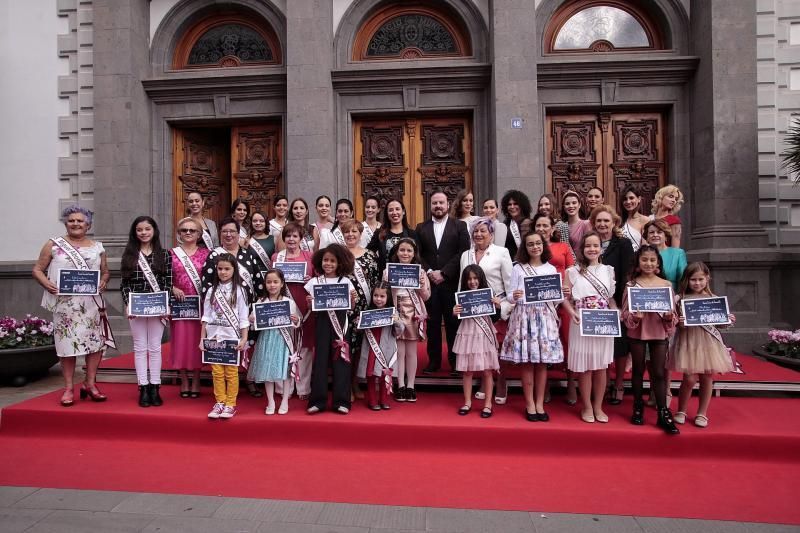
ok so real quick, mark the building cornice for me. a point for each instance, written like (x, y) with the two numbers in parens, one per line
(191, 87)
(674, 70)
(461, 77)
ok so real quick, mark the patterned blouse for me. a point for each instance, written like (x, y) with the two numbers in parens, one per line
(246, 259)
(138, 283)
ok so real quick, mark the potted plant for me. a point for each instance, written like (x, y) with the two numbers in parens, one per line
(783, 348)
(26, 348)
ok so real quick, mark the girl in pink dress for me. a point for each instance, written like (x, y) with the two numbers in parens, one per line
(187, 264)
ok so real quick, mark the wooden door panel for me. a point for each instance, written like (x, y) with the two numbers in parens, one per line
(408, 158)
(638, 156)
(381, 167)
(202, 164)
(256, 165)
(443, 161)
(574, 154)
(607, 150)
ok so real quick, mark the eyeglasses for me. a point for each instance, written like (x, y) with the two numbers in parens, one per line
(187, 230)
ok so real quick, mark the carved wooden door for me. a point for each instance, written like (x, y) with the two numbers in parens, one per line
(609, 151)
(256, 165)
(202, 164)
(409, 158)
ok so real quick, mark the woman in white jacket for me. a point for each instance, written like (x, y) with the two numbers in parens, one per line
(495, 262)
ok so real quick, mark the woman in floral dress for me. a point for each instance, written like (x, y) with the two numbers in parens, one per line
(77, 325)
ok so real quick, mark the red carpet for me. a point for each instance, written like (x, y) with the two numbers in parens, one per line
(744, 467)
(755, 368)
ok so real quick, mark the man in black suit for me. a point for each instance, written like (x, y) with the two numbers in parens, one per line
(441, 242)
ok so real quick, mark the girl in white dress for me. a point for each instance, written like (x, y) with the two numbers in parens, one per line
(592, 287)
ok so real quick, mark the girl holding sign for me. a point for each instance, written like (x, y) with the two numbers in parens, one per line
(225, 317)
(292, 236)
(146, 267)
(476, 344)
(187, 263)
(379, 352)
(591, 285)
(651, 330)
(532, 340)
(411, 308)
(333, 265)
(275, 348)
(698, 350)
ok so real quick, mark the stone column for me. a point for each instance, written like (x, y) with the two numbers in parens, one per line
(310, 134)
(123, 187)
(724, 192)
(517, 151)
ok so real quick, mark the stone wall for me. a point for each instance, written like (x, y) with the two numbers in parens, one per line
(778, 51)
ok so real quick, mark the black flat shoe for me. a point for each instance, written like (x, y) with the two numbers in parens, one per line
(486, 412)
(531, 417)
(464, 410)
(253, 390)
(185, 394)
(543, 417)
(430, 370)
(194, 394)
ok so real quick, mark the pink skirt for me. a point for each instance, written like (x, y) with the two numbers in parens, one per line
(185, 345)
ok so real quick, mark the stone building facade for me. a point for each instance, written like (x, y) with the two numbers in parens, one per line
(347, 97)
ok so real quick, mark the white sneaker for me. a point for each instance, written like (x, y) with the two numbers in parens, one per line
(216, 411)
(479, 395)
(283, 409)
(228, 412)
(312, 410)
(270, 410)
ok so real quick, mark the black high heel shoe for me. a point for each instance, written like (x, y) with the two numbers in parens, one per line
(666, 422)
(637, 419)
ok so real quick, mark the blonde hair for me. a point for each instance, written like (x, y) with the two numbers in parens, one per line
(350, 223)
(615, 218)
(197, 226)
(661, 193)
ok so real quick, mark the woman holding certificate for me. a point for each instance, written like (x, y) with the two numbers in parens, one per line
(146, 268)
(78, 321)
(187, 263)
(618, 254)
(292, 237)
(496, 264)
(365, 275)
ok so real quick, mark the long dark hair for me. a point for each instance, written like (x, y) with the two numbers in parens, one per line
(521, 199)
(339, 202)
(307, 222)
(624, 212)
(130, 256)
(236, 280)
(284, 288)
(478, 271)
(385, 224)
(405, 240)
(385, 286)
(636, 271)
(523, 257)
(236, 204)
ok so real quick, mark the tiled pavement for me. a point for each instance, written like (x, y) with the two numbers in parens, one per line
(39, 510)
(66, 511)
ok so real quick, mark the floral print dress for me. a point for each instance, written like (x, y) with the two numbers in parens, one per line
(76, 319)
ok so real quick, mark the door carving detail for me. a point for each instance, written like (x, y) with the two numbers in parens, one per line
(257, 176)
(383, 167)
(202, 166)
(409, 159)
(636, 158)
(607, 150)
(573, 159)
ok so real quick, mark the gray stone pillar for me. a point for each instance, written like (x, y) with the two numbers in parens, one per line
(123, 188)
(724, 192)
(310, 134)
(517, 151)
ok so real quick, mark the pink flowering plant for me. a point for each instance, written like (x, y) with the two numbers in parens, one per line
(784, 343)
(29, 332)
